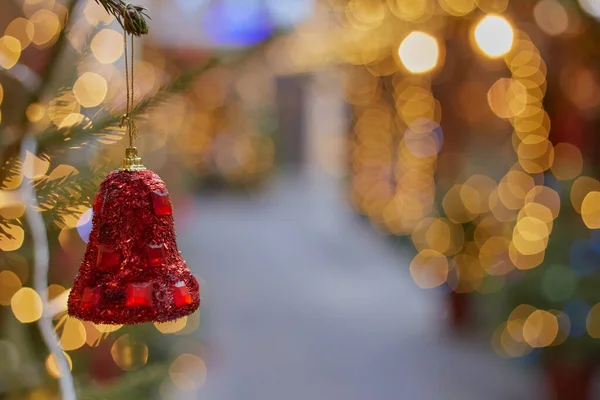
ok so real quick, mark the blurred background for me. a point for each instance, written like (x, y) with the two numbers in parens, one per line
(381, 199)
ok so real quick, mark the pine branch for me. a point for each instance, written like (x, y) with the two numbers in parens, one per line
(61, 195)
(106, 123)
(132, 18)
(86, 133)
(10, 170)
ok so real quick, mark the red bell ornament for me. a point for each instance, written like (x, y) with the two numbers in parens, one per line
(132, 271)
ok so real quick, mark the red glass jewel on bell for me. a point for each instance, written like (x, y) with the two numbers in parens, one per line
(181, 294)
(132, 271)
(139, 294)
(162, 202)
(91, 297)
(155, 254)
(108, 258)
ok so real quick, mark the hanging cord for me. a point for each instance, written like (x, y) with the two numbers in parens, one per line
(132, 161)
(129, 83)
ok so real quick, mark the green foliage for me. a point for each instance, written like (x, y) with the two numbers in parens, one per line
(135, 385)
(132, 18)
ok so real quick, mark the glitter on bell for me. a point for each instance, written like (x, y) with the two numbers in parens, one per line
(132, 271)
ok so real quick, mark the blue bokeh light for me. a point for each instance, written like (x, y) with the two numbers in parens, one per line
(237, 23)
(583, 257)
(84, 226)
(577, 311)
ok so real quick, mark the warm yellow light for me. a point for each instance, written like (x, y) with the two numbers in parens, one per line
(35, 166)
(46, 26)
(128, 353)
(10, 51)
(580, 188)
(107, 328)
(188, 372)
(35, 112)
(540, 329)
(593, 322)
(13, 239)
(90, 89)
(22, 29)
(590, 210)
(11, 206)
(107, 46)
(419, 52)
(73, 334)
(52, 365)
(494, 35)
(9, 285)
(429, 269)
(26, 305)
(171, 326)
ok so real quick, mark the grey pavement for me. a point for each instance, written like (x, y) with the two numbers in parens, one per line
(303, 300)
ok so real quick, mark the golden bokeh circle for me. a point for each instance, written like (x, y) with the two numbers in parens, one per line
(26, 305)
(590, 210)
(429, 269)
(129, 353)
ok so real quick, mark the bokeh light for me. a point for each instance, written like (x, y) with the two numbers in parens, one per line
(15, 235)
(72, 333)
(10, 51)
(568, 161)
(457, 7)
(9, 285)
(21, 29)
(592, 7)
(188, 372)
(429, 269)
(171, 326)
(551, 16)
(90, 89)
(26, 305)
(494, 36)
(84, 225)
(107, 328)
(46, 27)
(411, 10)
(507, 98)
(128, 353)
(52, 365)
(107, 46)
(593, 322)
(540, 328)
(580, 188)
(35, 166)
(419, 52)
(590, 210)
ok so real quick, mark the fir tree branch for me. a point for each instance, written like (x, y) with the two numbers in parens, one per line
(132, 18)
(86, 133)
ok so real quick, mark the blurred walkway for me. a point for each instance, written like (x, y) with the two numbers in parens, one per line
(303, 301)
